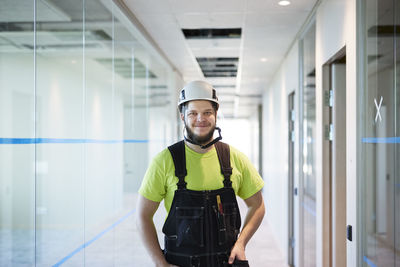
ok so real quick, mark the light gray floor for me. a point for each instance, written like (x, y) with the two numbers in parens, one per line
(118, 246)
(262, 249)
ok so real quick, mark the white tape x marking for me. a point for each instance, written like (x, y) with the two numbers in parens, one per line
(378, 108)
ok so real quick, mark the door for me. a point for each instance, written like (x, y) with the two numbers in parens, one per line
(292, 190)
(338, 156)
(334, 161)
(307, 153)
(380, 137)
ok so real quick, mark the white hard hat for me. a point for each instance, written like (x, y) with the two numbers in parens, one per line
(198, 90)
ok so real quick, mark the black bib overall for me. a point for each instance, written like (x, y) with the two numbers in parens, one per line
(202, 226)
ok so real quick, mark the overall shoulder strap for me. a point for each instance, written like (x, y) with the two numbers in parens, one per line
(177, 151)
(224, 157)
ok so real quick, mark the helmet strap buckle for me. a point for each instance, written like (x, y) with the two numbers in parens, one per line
(206, 145)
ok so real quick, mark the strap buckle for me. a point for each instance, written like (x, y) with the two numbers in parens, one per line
(181, 184)
(227, 171)
(227, 182)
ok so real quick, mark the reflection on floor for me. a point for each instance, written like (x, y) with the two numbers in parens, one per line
(262, 249)
(114, 243)
(309, 224)
(381, 250)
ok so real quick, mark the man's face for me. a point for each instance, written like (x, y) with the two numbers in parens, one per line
(200, 119)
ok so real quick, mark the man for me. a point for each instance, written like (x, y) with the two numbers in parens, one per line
(198, 179)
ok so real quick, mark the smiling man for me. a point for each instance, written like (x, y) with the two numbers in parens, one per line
(198, 178)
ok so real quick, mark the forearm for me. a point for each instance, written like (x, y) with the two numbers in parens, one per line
(254, 217)
(149, 237)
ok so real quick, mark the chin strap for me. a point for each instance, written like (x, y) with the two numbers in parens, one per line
(207, 145)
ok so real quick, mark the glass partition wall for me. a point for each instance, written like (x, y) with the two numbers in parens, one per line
(380, 239)
(308, 174)
(17, 120)
(83, 107)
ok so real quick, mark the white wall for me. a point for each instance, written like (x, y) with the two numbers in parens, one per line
(243, 140)
(336, 28)
(275, 146)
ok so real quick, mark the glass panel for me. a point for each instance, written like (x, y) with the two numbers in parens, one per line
(309, 152)
(102, 158)
(380, 162)
(397, 134)
(126, 73)
(127, 101)
(147, 113)
(59, 163)
(17, 114)
(78, 127)
(161, 108)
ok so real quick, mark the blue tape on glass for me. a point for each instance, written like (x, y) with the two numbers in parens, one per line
(24, 141)
(369, 262)
(17, 141)
(381, 140)
(63, 260)
(309, 209)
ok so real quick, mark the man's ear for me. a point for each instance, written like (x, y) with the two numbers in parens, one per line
(182, 117)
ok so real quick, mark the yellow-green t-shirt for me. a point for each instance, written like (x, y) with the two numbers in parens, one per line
(203, 173)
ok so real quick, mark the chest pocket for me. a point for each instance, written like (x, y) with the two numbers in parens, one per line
(231, 215)
(190, 226)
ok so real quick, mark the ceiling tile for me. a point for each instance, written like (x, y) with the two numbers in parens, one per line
(210, 20)
(185, 6)
(267, 32)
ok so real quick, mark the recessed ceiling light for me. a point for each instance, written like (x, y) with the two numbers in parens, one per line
(263, 59)
(284, 3)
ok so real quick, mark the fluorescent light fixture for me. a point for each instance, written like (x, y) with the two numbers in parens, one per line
(284, 3)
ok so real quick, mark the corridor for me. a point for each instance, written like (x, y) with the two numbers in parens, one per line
(308, 91)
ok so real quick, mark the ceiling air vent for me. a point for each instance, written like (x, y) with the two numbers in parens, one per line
(63, 47)
(157, 87)
(218, 66)
(212, 33)
(311, 73)
(372, 58)
(225, 86)
(384, 31)
(123, 67)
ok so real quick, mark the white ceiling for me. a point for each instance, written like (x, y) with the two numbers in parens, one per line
(268, 30)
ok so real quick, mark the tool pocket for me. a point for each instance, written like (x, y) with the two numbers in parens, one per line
(232, 226)
(190, 226)
(221, 226)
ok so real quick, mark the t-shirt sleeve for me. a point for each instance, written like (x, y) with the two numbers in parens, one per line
(251, 180)
(153, 184)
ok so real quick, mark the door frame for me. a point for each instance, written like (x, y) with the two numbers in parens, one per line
(292, 189)
(329, 199)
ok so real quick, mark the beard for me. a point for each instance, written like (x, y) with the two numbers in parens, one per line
(199, 139)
